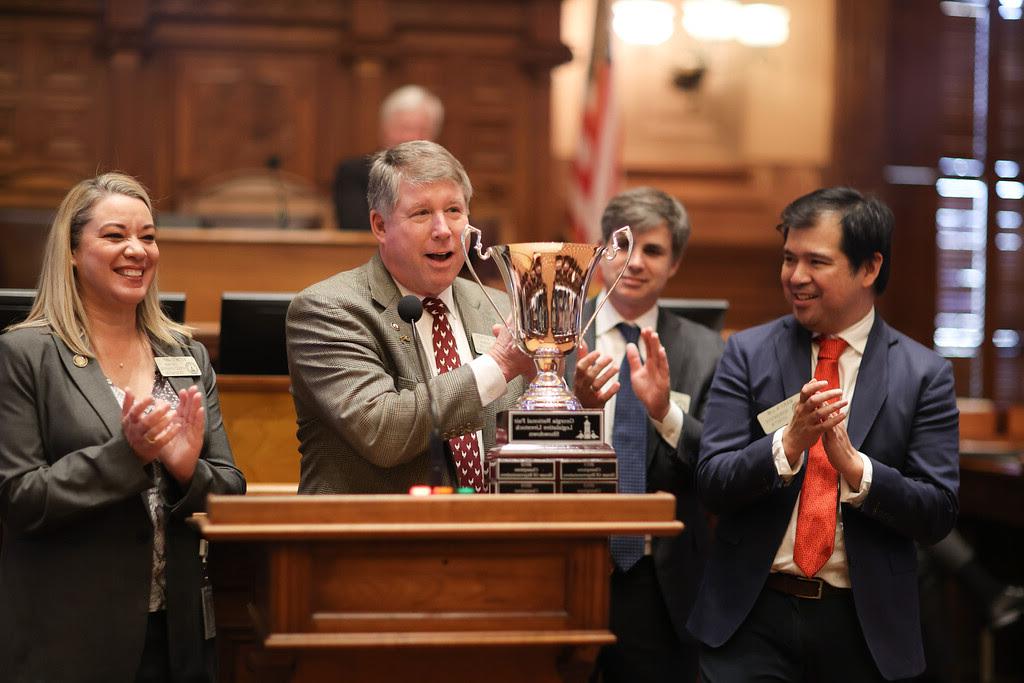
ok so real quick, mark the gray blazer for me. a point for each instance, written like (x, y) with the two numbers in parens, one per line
(75, 562)
(360, 395)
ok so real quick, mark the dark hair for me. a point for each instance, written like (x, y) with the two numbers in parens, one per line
(866, 221)
(645, 208)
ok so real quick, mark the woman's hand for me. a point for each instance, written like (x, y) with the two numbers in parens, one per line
(174, 437)
(180, 455)
(148, 425)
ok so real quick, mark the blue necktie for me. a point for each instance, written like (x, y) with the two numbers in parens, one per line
(629, 439)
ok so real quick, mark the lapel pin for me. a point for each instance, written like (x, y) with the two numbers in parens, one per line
(394, 326)
(404, 338)
(80, 360)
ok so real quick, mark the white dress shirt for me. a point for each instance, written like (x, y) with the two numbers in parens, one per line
(836, 570)
(490, 380)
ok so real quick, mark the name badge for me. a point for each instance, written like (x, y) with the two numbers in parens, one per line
(482, 343)
(680, 399)
(778, 415)
(177, 366)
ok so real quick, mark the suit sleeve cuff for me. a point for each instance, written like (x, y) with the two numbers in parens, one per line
(847, 494)
(782, 465)
(671, 428)
(490, 381)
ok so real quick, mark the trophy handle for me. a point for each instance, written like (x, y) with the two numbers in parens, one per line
(628, 232)
(467, 234)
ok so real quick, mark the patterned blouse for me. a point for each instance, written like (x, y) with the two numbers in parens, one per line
(163, 390)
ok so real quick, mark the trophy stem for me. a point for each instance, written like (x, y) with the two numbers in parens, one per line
(548, 390)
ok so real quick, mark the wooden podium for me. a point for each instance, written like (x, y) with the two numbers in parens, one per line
(404, 588)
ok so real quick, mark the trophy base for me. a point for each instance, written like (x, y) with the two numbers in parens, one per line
(551, 452)
(548, 392)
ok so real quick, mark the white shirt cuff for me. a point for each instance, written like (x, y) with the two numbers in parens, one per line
(847, 494)
(671, 428)
(490, 380)
(782, 465)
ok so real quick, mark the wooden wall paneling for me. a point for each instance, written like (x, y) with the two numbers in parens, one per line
(859, 122)
(53, 107)
(888, 112)
(236, 111)
(913, 138)
(132, 88)
(179, 92)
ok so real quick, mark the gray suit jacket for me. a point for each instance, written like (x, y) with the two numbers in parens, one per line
(693, 352)
(360, 395)
(75, 562)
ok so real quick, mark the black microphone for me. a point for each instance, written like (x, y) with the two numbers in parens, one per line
(410, 309)
(274, 165)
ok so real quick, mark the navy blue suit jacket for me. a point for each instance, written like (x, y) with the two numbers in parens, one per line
(903, 417)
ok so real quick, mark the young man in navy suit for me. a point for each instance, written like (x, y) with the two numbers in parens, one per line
(668, 363)
(823, 485)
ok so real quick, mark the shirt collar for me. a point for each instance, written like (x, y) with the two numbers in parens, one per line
(446, 296)
(608, 317)
(856, 335)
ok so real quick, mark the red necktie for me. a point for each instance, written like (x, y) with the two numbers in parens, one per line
(465, 449)
(816, 519)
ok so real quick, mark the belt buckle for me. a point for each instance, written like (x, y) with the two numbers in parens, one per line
(821, 587)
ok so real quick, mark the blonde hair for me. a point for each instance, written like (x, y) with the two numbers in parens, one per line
(58, 303)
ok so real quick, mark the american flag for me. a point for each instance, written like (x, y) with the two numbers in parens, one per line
(594, 177)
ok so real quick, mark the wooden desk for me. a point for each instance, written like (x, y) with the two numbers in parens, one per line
(204, 263)
(403, 588)
(259, 417)
(992, 481)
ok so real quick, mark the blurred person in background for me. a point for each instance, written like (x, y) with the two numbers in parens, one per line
(408, 113)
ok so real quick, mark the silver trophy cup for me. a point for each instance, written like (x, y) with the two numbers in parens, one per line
(547, 283)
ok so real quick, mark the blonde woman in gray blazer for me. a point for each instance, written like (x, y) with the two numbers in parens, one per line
(112, 437)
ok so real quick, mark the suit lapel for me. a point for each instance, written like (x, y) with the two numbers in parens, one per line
(475, 319)
(872, 383)
(669, 328)
(397, 332)
(793, 352)
(91, 381)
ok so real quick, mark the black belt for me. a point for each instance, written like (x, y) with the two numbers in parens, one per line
(811, 589)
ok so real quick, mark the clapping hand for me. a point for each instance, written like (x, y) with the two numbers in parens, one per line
(817, 411)
(650, 379)
(157, 432)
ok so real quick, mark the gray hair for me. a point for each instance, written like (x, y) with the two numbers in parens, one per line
(411, 98)
(419, 162)
(645, 208)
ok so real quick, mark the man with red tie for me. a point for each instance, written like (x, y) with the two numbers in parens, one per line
(360, 394)
(830, 446)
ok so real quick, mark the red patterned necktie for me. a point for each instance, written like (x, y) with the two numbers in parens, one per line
(465, 449)
(816, 519)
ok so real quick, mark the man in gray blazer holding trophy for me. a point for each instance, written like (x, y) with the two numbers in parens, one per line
(362, 402)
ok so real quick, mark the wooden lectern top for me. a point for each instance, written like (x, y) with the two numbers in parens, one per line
(439, 516)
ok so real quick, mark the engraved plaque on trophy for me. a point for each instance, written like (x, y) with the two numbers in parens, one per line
(548, 443)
